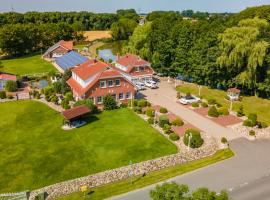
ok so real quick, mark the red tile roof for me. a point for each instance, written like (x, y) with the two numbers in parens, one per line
(76, 112)
(66, 44)
(131, 61)
(234, 90)
(89, 68)
(8, 77)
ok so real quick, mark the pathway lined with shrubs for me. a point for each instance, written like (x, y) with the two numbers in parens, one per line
(165, 95)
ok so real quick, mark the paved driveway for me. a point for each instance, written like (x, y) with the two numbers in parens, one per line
(165, 96)
(246, 175)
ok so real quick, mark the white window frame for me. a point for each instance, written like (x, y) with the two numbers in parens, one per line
(105, 84)
(122, 94)
(137, 69)
(128, 95)
(101, 98)
(109, 84)
(119, 82)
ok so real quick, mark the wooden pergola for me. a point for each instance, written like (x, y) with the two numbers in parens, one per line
(75, 113)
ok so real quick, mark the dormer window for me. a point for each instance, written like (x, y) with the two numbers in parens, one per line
(141, 69)
(110, 83)
(137, 69)
(103, 84)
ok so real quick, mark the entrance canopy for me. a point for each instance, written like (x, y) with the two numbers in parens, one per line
(76, 112)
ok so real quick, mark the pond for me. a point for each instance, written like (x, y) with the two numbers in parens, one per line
(108, 51)
(40, 84)
(106, 54)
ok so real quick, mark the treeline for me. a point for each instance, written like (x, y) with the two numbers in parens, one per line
(221, 51)
(34, 31)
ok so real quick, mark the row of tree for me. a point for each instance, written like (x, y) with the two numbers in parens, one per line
(221, 51)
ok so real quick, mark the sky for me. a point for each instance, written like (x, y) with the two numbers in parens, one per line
(143, 6)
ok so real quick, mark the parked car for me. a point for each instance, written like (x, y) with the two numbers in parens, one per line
(189, 99)
(151, 84)
(140, 86)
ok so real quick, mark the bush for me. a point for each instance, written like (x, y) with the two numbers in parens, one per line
(262, 125)
(240, 111)
(195, 104)
(212, 112)
(252, 133)
(195, 141)
(133, 102)
(150, 120)
(177, 122)
(163, 110)
(253, 117)
(89, 103)
(174, 137)
(109, 103)
(142, 103)
(227, 97)
(54, 99)
(11, 86)
(65, 104)
(69, 96)
(163, 119)
(123, 105)
(57, 86)
(224, 140)
(249, 123)
(212, 101)
(223, 111)
(204, 105)
(150, 112)
(137, 109)
(167, 129)
(218, 105)
(3, 95)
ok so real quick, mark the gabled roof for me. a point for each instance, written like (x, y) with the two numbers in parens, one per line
(70, 59)
(234, 90)
(131, 61)
(68, 45)
(76, 112)
(89, 68)
(10, 77)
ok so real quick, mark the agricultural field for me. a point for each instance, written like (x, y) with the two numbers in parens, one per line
(30, 64)
(35, 151)
(251, 104)
(94, 35)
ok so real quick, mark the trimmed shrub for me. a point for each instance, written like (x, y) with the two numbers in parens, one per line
(224, 140)
(109, 103)
(223, 111)
(211, 101)
(163, 119)
(65, 104)
(178, 122)
(150, 120)
(137, 109)
(11, 86)
(150, 112)
(212, 112)
(167, 129)
(240, 111)
(163, 110)
(142, 103)
(248, 123)
(195, 104)
(3, 95)
(174, 137)
(195, 141)
(252, 117)
(204, 105)
(252, 133)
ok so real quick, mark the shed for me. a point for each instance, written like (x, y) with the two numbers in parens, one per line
(76, 113)
(233, 93)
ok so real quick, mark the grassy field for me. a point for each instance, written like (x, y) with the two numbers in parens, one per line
(93, 35)
(35, 151)
(251, 104)
(29, 64)
(154, 177)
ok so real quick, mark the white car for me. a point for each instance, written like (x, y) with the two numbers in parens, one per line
(189, 100)
(140, 86)
(151, 84)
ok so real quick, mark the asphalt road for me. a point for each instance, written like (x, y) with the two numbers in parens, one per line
(246, 176)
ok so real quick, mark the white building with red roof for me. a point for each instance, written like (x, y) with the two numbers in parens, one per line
(95, 79)
(4, 78)
(59, 49)
(134, 68)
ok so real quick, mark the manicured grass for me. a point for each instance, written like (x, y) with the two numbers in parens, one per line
(29, 64)
(154, 177)
(251, 104)
(80, 46)
(35, 151)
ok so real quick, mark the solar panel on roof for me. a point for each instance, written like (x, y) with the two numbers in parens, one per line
(70, 59)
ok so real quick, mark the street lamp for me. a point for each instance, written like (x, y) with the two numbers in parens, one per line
(155, 117)
(200, 87)
(189, 139)
(231, 105)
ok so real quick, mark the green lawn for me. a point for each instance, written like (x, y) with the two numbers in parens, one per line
(80, 46)
(29, 64)
(251, 104)
(35, 151)
(151, 178)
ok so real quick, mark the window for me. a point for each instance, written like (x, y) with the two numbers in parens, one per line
(110, 83)
(137, 69)
(117, 82)
(102, 84)
(99, 100)
(114, 96)
(128, 95)
(141, 69)
(121, 96)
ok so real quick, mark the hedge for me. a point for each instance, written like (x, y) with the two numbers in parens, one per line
(177, 122)
(163, 119)
(163, 110)
(195, 141)
(167, 129)
(142, 103)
